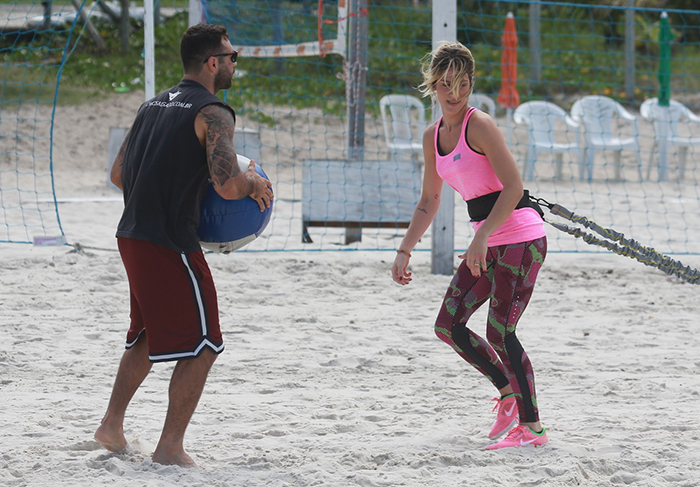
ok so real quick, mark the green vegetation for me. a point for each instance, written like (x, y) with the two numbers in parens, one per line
(582, 52)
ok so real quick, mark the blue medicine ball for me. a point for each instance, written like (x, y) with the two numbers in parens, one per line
(227, 225)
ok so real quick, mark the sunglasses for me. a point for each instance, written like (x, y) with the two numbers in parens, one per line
(234, 56)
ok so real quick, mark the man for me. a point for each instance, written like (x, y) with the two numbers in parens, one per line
(179, 141)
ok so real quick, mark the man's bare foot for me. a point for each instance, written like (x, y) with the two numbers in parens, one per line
(181, 458)
(111, 440)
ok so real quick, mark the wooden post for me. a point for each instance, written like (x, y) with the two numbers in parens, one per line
(156, 12)
(46, 25)
(109, 11)
(124, 25)
(442, 252)
(535, 49)
(629, 51)
(94, 35)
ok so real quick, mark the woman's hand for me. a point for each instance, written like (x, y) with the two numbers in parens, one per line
(475, 256)
(399, 271)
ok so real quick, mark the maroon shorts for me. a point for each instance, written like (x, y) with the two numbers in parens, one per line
(173, 300)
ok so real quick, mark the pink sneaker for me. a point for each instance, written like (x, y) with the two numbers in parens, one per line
(507, 416)
(521, 436)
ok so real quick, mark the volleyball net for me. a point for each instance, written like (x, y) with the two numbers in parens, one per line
(32, 52)
(313, 76)
(335, 193)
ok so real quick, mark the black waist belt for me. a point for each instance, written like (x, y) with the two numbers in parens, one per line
(480, 208)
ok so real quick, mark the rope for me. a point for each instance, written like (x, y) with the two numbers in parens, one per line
(79, 248)
(625, 246)
(617, 243)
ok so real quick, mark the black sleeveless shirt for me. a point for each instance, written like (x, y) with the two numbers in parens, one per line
(165, 171)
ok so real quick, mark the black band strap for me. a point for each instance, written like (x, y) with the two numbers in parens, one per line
(480, 208)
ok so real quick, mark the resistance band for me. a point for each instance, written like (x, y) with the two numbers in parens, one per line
(616, 242)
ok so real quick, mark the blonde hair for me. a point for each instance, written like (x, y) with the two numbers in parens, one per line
(448, 56)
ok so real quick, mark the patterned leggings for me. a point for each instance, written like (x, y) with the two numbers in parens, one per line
(511, 271)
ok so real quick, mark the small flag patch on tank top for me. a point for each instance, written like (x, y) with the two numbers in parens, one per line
(457, 157)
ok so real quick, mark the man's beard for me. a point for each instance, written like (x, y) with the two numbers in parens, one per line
(222, 81)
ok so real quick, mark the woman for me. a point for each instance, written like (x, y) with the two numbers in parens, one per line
(466, 149)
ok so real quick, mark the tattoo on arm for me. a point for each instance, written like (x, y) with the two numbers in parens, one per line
(423, 210)
(219, 140)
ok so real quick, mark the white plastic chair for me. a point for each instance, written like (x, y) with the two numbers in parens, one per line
(483, 103)
(665, 121)
(543, 121)
(596, 114)
(403, 117)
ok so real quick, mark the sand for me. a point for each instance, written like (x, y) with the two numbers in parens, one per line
(332, 374)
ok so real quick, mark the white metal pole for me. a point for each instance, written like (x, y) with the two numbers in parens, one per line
(195, 15)
(148, 47)
(444, 29)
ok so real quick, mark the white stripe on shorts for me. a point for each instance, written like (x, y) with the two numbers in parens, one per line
(198, 295)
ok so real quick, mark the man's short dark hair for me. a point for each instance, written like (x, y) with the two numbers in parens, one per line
(199, 42)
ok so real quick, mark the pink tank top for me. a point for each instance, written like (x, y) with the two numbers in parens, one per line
(470, 174)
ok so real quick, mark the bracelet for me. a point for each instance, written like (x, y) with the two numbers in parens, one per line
(403, 252)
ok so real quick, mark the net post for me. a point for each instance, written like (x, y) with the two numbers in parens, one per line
(148, 47)
(442, 251)
(196, 13)
(357, 78)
